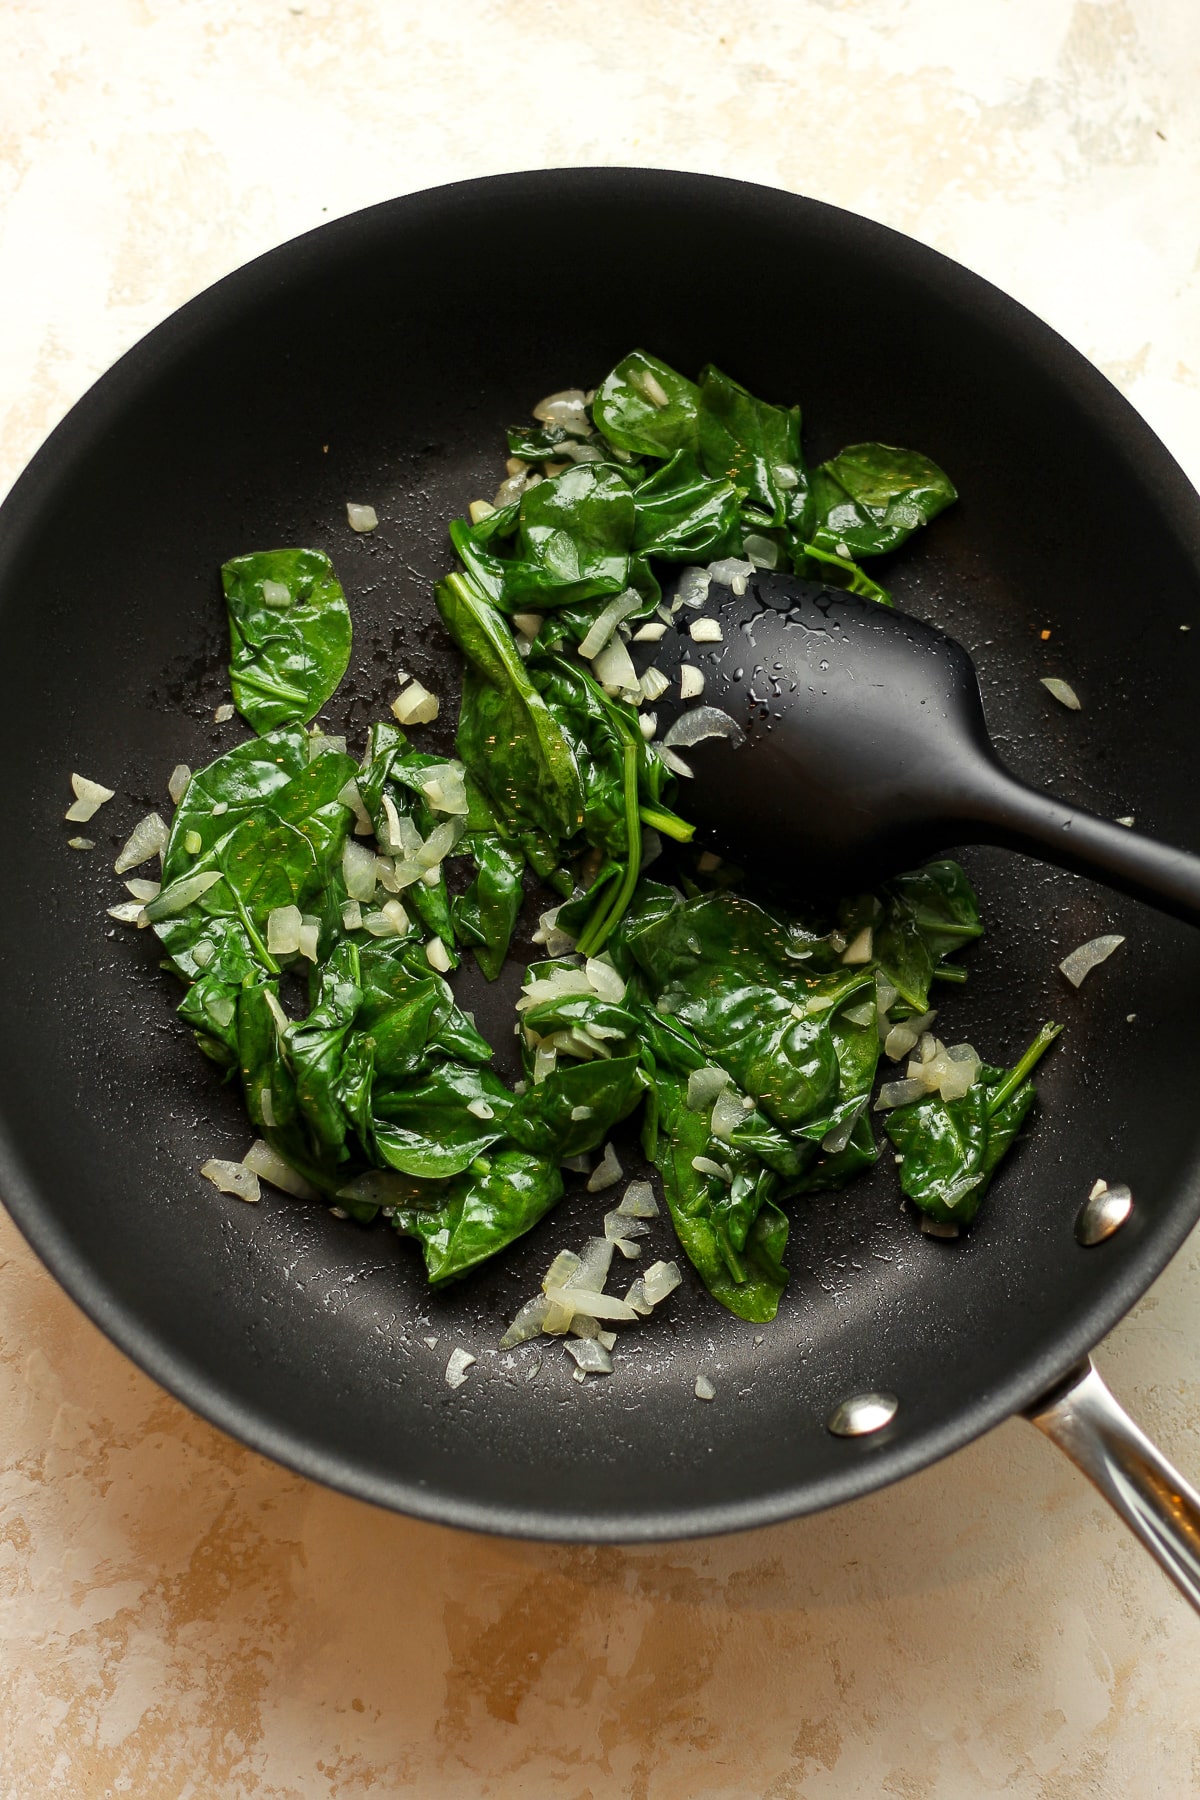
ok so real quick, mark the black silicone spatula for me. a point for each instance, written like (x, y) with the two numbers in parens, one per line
(867, 750)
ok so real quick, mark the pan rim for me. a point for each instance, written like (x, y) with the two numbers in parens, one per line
(869, 1466)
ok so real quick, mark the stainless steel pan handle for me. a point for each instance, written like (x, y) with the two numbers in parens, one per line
(1154, 1500)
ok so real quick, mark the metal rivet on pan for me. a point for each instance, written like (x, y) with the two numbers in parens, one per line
(861, 1414)
(1104, 1211)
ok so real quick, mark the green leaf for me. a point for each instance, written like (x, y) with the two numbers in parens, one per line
(243, 778)
(685, 516)
(927, 915)
(750, 443)
(485, 915)
(871, 498)
(542, 1119)
(426, 1128)
(290, 638)
(481, 1212)
(574, 538)
(647, 407)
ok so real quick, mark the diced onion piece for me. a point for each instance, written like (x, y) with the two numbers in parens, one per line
(786, 476)
(1087, 956)
(674, 762)
(481, 1109)
(601, 629)
(309, 941)
(587, 1300)
(704, 1085)
(613, 668)
(268, 1164)
(527, 1323)
(905, 1035)
(704, 1165)
(729, 570)
(635, 1296)
(590, 1355)
(899, 1093)
(618, 1226)
(440, 842)
(565, 1264)
(283, 930)
(863, 1014)
(654, 684)
(691, 682)
(180, 895)
(127, 912)
(81, 843)
(351, 916)
(266, 1099)
(638, 1201)
(762, 551)
(604, 979)
(415, 705)
(479, 510)
(396, 916)
(835, 1141)
(595, 1260)
(358, 870)
(544, 1063)
(224, 713)
(143, 890)
(148, 838)
(628, 1249)
(650, 633)
(232, 1178)
(700, 723)
(548, 933)
(360, 518)
(282, 1022)
(90, 796)
(350, 796)
(437, 955)
(528, 624)
(444, 787)
(179, 781)
(607, 1172)
(1062, 691)
(704, 1389)
(567, 408)
(860, 949)
(320, 744)
(706, 631)
(727, 1115)
(659, 1280)
(456, 1368)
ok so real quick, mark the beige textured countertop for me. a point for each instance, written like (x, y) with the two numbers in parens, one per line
(181, 1618)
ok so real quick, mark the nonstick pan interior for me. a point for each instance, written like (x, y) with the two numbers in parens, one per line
(380, 359)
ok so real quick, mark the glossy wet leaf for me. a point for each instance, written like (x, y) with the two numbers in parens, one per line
(289, 629)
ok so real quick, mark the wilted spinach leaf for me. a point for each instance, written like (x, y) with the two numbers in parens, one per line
(289, 629)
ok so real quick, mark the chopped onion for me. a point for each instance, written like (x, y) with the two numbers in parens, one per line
(358, 870)
(1087, 956)
(899, 1093)
(861, 1015)
(692, 587)
(704, 1389)
(396, 916)
(635, 1297)
(179, 782)
(81, 843)
(706, 631)
(544, 1063)
(143, 890)
(90, 796)
(649, 633)
(654, 684)
(607, 1172)
(268, 1164)
(276, 595)
(203, 954)
(436, 954)
(527, 1323)
(905, 1035)
(518, 480)
(704, 1085)
(440, 842)
(861, 949)
(179, 896)
(604, 979)
(379, 925)
(224, 713)
(359, 518)
(786, 477)
(282, 1022)
(628, 1249)
(660, 1279)
(321, 744)
(232, 1178)
(481, 1109)
(728, 1114)
(614, 670)
(647, 722)
(1062, 691)
(835, 1141)
(549, 934)
(638, 1201)
(591, 1356)
(620, 1228)
(283, 930)
(443, 785)
(128, 912)
(605, 623)
(568, 409)
(691, 682)
(762, 551)
(480, 510)
(587, 1300)
(148, 838)
(704, 1165)
(415, 705)
(728, 571)
(703, 722)
(456, 1368)
(528, 624)
(309, 941)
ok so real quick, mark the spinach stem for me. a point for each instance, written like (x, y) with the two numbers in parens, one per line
(1007, 1088)
(598, 928)
(670, 824)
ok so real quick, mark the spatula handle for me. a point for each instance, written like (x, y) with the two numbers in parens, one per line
(1021, 818)
(1153, 1499)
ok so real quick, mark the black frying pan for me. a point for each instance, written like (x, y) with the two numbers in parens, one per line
(379, 359)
